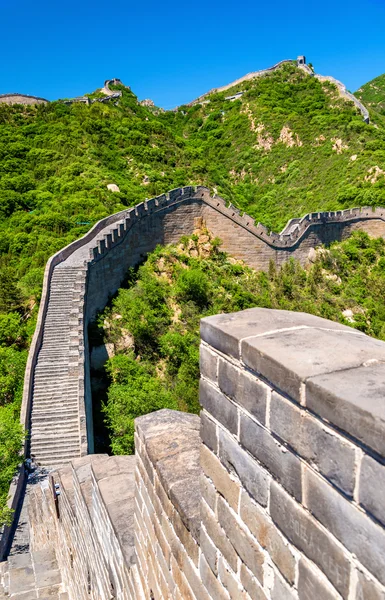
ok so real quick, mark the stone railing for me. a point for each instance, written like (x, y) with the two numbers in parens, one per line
(277, 492)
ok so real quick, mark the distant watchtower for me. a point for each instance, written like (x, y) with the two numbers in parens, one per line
(301, 60)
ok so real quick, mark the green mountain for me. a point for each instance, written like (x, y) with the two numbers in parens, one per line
(288, 145)
(372, 94)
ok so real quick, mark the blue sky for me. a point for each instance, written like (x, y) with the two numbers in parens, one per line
(174, 51)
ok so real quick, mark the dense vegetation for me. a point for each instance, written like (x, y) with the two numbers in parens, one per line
(290, 145)
(152, 327)
(372, 94)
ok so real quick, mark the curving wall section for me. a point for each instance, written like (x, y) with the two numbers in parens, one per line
(99, 262)
(80, 279)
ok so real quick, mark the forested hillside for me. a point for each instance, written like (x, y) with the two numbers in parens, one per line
(152, 328)
(288, 146)
(372, 94)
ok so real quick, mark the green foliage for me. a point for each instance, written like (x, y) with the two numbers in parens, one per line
(372, 94)
(162, 369)
(134, 392)
(11, 437)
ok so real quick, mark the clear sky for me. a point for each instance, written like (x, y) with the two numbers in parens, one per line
(173, 51)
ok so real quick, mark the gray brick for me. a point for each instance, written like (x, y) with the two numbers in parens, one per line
(244, 388)
(218, 536)
(368, 589)
(305, 533)
(288, 358)
(243, 543)
(357, 532)
(268, 536)
(372, 487)
(209, 551)
(281, 463)
(281, 590)
(208, 492)
(214, 587)
(353, 400)
(208, 363)
(230, 582)
(219, 406)
(251, 584)
(334, 457)
(312, 584)
(209, 434)
(252, 476)
(220, 476)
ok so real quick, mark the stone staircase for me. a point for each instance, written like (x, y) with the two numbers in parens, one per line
(30, 576)
(55, 433)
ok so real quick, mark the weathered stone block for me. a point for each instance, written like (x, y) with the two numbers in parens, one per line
(281, 590)
(354, 529)
(243, 543)
(208, 363)
(244, 388)
(224, 332)
(213, 586)
(208, 492)
(368, 589)
(255, 518)
(306, 534)
(313, 585)
(371, 493)
(213, 468)
(229, 581)
(281, 463)
(218, 536)
(209, 551)
(333, 456)
(288, 358)
(353, 399)
(251, 474)
(251, 584)
(209, 434)
(218, 405)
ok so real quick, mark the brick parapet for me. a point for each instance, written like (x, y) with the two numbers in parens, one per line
(285, 478)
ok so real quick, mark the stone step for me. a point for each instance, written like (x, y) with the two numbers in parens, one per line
(56, 458)
(43, 391)
(69, 440)
(58, 400)
(56, 428)
(49, 418)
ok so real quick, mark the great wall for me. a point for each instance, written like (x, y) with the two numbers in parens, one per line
(113, 95)
(277, 490)
(234, 504)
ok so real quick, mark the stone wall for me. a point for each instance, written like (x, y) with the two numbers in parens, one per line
(277, 491)
(21, 99)
(85, 512)
(293, 452)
